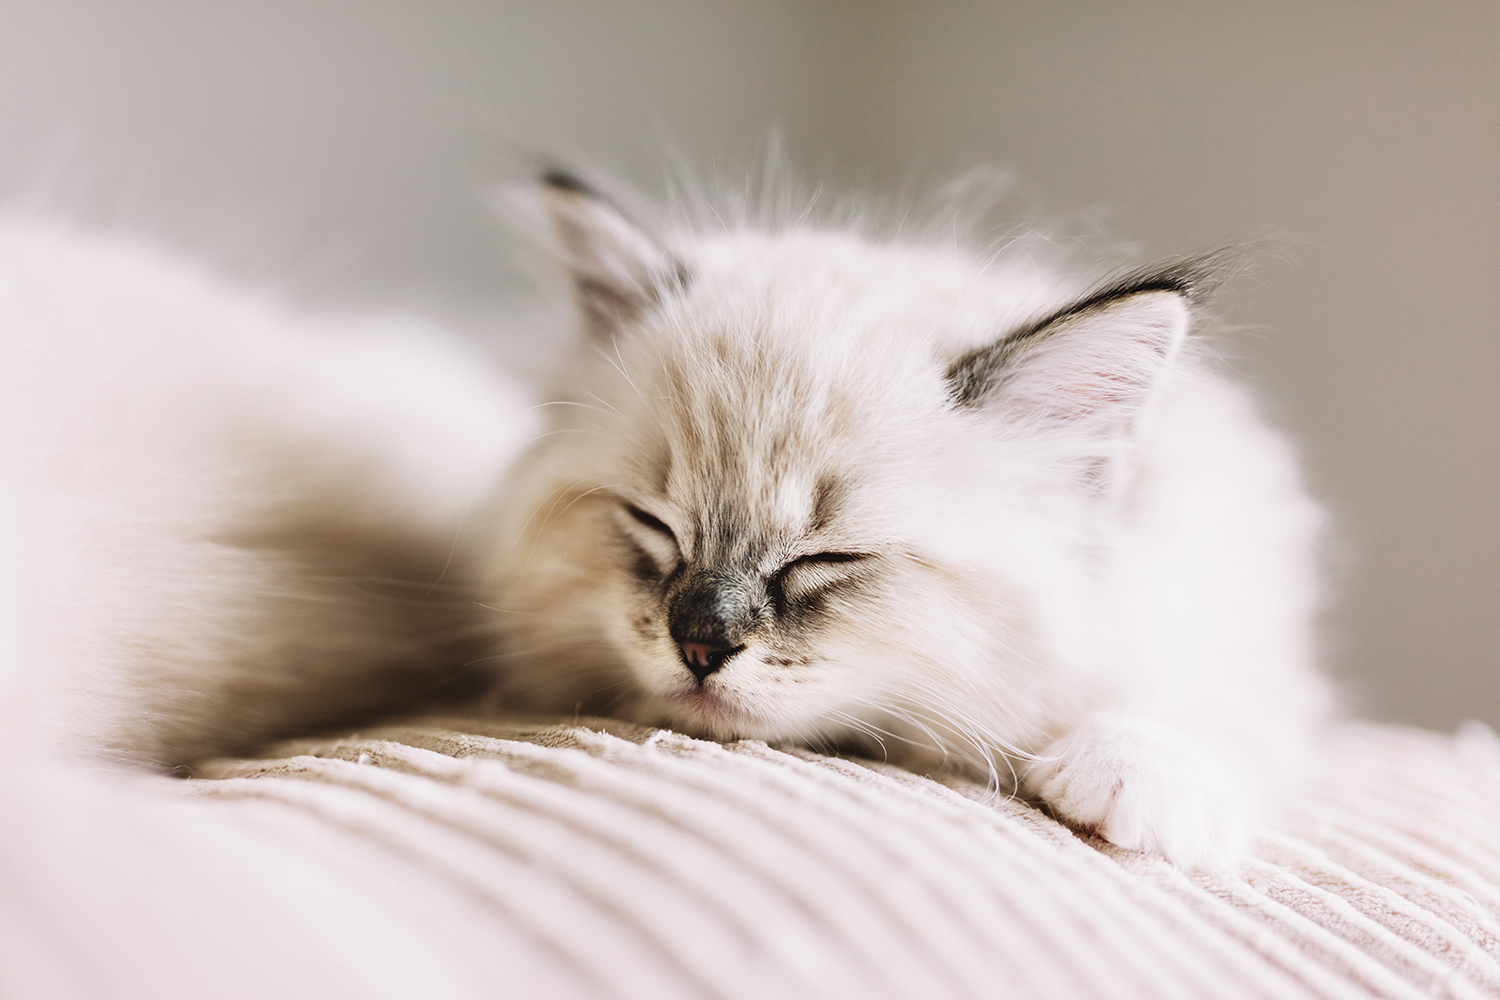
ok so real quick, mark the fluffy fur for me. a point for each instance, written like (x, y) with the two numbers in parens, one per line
(223, 519)
(799, 485)
(803, 485)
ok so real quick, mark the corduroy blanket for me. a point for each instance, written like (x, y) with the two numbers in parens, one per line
(460, 857)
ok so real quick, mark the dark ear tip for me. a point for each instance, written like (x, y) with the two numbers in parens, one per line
(1196, 278)
(566, 180)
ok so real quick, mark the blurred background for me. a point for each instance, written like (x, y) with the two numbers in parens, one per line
(344, 147)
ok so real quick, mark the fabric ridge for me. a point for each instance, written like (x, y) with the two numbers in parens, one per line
(633, 862)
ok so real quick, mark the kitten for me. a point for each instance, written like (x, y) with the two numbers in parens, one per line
(221, 519)
(805, 486)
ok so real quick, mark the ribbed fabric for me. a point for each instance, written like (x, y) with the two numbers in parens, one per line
(606, 860)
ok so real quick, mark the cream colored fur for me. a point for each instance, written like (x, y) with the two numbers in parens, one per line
(1093, 576)
(224, 519)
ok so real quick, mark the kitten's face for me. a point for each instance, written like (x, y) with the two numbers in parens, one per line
(749, 526)
(768, 511)
(756, 539)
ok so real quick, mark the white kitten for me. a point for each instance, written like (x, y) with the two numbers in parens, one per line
(804, 486)
(226, 520)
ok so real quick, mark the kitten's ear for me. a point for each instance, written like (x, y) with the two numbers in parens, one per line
(1092, 366)
(618, 269)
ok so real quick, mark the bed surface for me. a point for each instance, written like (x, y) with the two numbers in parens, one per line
(466, 857)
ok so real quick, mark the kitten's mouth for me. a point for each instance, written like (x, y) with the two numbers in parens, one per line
(705, 699)
(720, 705)
(704, 711)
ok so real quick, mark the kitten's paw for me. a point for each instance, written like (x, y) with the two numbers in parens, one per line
(1142, 784)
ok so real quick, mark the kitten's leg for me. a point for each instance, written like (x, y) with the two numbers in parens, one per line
(1148, 784)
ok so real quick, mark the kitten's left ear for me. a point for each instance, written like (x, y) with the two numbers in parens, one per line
(618, 269)
(1092, 366)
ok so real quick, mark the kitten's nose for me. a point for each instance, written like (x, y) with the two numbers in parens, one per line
(703, 658)
(707, 618)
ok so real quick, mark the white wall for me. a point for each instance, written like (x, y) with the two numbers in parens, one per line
(343, 144)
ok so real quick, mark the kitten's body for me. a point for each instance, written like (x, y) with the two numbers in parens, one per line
(804, 487)
(224, 519)
(809, 487)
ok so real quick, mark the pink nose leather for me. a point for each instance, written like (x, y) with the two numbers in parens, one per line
(704, 658)
(697, 653)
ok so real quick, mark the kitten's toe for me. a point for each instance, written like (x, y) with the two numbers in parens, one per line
(1143, 785)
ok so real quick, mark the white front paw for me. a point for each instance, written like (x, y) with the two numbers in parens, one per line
(1143, 784)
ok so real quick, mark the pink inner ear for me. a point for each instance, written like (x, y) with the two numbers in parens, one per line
(1082, 393)
(1103, 387)
(1101, 364)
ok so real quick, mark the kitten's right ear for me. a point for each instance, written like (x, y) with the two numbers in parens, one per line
(619, 270)
(1092, 366)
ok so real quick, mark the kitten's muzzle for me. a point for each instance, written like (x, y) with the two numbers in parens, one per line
(708, 619)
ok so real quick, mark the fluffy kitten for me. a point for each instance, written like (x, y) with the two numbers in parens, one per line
(800, 485)
(221, 519)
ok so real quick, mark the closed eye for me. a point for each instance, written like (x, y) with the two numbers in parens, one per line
(816, 561)
(659, 554)
(828, 557)
(650, 521)
(806, 576)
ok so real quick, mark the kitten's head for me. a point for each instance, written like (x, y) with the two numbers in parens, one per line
(800, 485)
